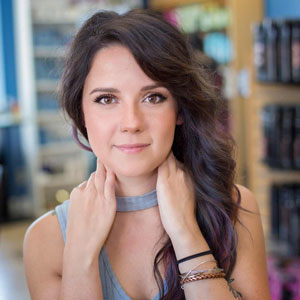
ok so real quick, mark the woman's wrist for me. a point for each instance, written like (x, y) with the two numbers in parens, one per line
(84, 254)
(190, 242)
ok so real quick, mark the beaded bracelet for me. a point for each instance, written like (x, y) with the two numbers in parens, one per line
(202, 277)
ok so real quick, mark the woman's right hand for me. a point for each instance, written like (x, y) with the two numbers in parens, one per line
(92, 211)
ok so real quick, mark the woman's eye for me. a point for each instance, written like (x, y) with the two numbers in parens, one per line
(156, 98)
(104, 99)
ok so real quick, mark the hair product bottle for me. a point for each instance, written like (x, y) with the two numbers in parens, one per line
(285, 52)
(272, 50)
(296, 52)
(260, 52)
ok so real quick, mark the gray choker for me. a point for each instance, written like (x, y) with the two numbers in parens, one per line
(133, 203)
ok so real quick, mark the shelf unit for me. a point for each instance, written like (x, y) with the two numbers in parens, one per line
(43, 30)
(245, 107)
(169, 4)
(54, 161)
(261, 176)
(242, 14)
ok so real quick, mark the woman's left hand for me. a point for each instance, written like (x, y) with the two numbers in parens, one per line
(176, 200)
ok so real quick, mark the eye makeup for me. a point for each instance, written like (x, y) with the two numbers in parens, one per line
(99, 99)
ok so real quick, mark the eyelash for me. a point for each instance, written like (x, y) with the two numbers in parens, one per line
(99, 98)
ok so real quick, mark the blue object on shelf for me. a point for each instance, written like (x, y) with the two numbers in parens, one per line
(282, 9)
(218, 46)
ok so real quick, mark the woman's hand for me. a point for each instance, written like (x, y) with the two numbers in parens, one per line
(176, 200)
(92, 211)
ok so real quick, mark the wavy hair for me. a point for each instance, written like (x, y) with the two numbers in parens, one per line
(201, 143)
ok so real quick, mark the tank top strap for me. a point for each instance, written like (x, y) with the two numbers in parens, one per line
(62, 216)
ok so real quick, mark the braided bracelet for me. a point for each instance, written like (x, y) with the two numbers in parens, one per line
(197, 272)
(202, 277)
(188, 273)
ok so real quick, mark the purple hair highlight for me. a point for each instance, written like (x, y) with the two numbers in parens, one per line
(76, 138)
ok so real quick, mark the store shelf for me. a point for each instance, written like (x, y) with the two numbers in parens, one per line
(46, 86)
(50, 116)
(61, 148)
(61, 180)
(168, 4)
(276, 93)
(283, 175)
(43, 51)
(54, 22)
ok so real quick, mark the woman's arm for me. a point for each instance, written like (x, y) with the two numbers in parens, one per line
(250, 272)
(45, 258)
(80, 276)
(251, 256)
(91, 214)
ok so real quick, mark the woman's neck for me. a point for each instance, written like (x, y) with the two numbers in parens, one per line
(135, 186)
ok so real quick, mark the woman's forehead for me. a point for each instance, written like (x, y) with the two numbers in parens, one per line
(115, 65)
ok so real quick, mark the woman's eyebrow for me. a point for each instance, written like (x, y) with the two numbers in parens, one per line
(113, 90)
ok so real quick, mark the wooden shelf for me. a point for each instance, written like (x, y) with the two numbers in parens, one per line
(59, 148)
(169, 4)
(59, 180)
(50, 116)
(276, 93)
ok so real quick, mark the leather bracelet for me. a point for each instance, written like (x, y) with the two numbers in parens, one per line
(202, 277)
(194, 256)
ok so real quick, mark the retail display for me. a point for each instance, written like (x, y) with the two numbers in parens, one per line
(44, 30)
(285, 215)
(281, 125)
(284, 278)
(277, 51)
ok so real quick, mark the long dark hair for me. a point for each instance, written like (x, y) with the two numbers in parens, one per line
(206, 150)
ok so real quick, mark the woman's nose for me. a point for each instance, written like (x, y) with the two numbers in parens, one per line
(132, 119)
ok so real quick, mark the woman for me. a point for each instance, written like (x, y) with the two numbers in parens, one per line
(161, 217)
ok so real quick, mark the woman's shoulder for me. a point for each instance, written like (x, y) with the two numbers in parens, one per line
(251, 255)
(48, 226)
(43, 243)
(245, 198)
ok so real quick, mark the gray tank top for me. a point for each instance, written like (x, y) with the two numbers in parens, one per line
(111, 288)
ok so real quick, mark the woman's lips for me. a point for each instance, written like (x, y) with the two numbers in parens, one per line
(132, 148)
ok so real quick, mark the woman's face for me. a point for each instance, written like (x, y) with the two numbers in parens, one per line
(123, 106)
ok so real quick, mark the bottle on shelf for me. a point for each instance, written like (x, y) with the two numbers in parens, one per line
(285, 35)
(296, 52)
(260, 52)
(272, 34)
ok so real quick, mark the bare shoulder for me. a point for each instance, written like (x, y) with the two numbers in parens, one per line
(250, 271)
(43, 253)
(248, 200)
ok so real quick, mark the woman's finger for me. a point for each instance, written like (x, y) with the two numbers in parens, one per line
(82, 185)
(163, 170)
(109, 186)
(100, 177)
(91, 180)
(172, 163)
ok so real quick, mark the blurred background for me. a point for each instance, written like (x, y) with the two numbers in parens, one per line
(251, 48)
